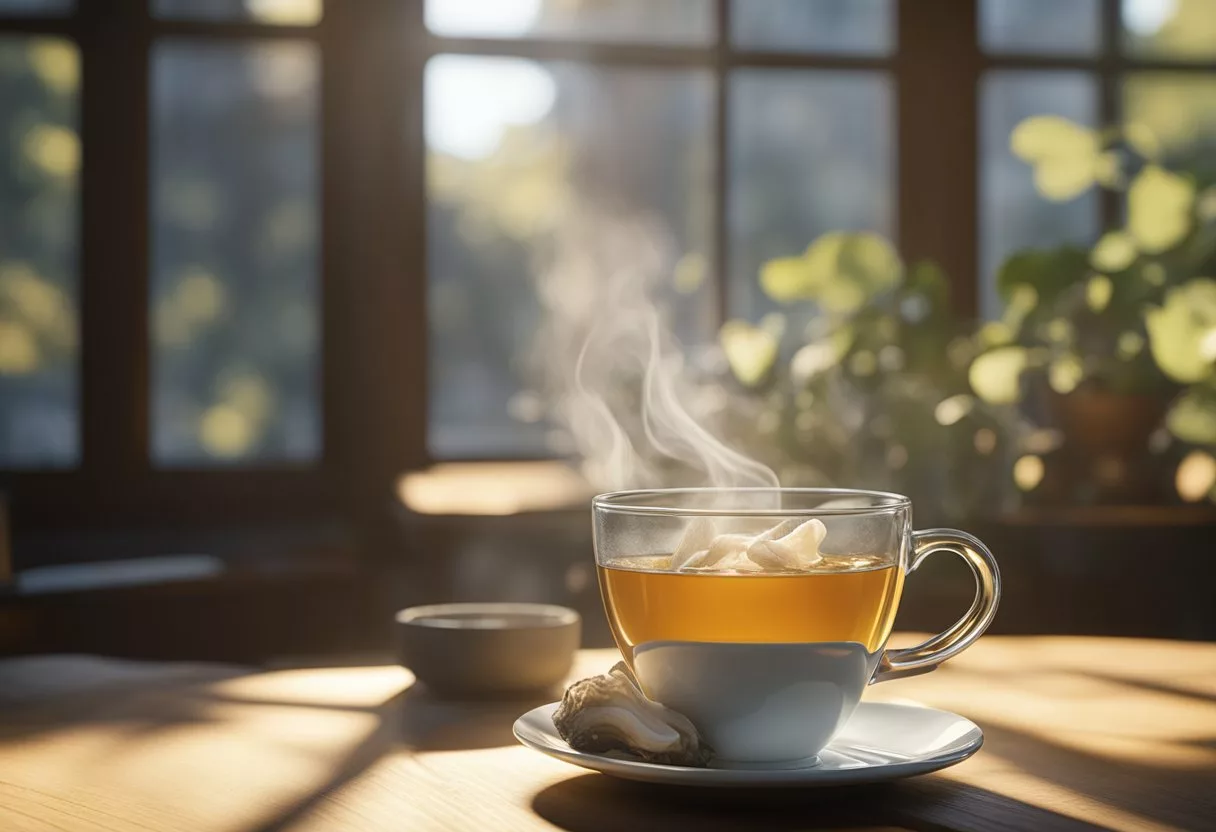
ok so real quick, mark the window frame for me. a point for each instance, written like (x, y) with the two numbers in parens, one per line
(371, 355)
(373, 363)
(934, 55)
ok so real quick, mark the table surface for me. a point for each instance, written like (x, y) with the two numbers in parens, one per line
(1081, 733)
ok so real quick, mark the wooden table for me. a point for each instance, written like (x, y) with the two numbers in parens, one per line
(1081, 733)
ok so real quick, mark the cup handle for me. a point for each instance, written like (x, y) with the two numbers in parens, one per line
(927, 656)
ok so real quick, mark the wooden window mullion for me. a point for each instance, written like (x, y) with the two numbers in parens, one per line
(937, 89)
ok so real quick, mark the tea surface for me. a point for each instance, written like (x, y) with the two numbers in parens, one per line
(853, 599)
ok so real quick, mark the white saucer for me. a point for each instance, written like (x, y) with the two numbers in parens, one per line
(880, 742)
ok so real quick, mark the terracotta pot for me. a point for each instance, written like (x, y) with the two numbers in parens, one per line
(1105, 454)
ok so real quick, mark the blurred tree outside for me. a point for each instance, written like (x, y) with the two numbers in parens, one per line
(235, 272)
(39, 210)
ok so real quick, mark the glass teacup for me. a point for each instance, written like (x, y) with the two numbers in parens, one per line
(764, 644)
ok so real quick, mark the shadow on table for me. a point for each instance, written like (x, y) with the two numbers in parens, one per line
(595, 802)
(435, 723)
(126, 707)
(419, 720)
(1177, 795)
(43, 694)
(1155, 686)
(357, 760)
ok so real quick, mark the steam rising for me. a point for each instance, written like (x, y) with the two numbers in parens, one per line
(623, 389)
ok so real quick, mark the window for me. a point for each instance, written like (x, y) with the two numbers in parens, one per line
(39, 251)
(1148, 62)
(732, 132)
(262, 255)
(160, 261)
(234, 246)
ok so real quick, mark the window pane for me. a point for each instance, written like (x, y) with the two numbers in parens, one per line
(276, 12)
(234, 253)
(838, 26)
(669, 21)
(39, 194)
(1180, 110)
(1013, 215)
(526, 158)
(810, 152)
(1047, 27)
(36, 6)
(1177, 29)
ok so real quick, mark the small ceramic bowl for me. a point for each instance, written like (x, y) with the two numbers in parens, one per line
(489, 649)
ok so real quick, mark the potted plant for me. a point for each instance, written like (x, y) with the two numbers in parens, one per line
(1109, 344)
(1097, 384)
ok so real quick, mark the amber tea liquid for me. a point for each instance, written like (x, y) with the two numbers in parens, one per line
(849, 599)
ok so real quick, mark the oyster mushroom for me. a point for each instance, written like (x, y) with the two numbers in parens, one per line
(610, 713)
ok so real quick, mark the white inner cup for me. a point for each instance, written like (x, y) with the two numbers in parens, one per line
(758, 703)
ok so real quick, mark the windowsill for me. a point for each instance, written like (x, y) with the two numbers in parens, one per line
(53, 563)
(493, 489)
(1129, 516)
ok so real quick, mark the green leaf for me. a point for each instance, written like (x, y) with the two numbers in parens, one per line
(1023, 298)
(1205, 204)
(841, 271)
(871, 261)
(1065, 373)
(1129, 345)
(841, 296)
(995, 376)
(1142, 139)
(1059, 331)
(1040, 137)
(750, 350)
(1159, 209)
(1098, 292)
(1065, 178)
(1196, 477)
(1193, 417)
(1114, 252)
(786, 279)
(1182, 331)
(1065, 156)
(950, 410)
(995, 334)
(821, 355)
(852, 267)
